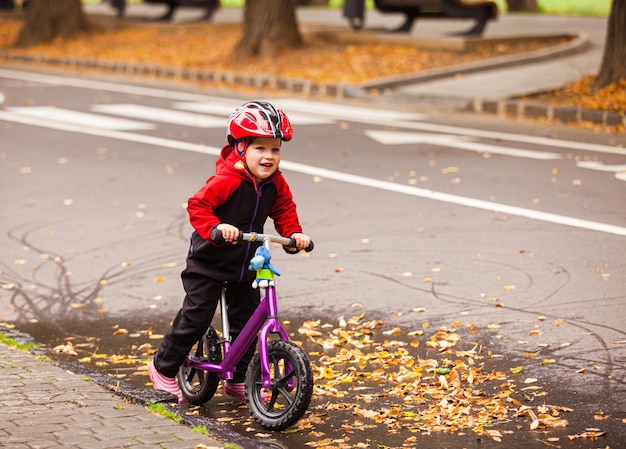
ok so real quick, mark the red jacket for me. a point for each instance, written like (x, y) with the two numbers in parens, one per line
(233, 196)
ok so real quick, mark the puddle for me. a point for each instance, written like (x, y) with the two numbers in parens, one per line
(376, 386)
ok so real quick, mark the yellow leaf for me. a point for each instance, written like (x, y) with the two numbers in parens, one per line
(517, 369)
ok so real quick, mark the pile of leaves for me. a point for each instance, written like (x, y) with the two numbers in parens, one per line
(209, 46)
(373, 379)
(411, 383)
(583, 93)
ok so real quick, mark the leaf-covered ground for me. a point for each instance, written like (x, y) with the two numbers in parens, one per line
(208, 46)
(379, 385)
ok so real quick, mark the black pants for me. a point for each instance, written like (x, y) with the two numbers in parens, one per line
(195, 316)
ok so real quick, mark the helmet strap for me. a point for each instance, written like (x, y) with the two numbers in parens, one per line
(246, 141)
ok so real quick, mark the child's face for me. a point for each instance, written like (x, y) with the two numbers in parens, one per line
(263, 157)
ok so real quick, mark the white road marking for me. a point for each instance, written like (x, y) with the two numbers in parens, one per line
(366, 114)
(329, 174)
(534, 140)
(619, 170)
(345, 112)
(110, 134)
(81, 118)
(593, 165)
(160, 115)
(225, 110)
(454, 141)
(456, 199)
(222, 109)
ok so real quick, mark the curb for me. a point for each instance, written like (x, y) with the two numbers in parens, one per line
(578, 44)
(502, 108)
(544, 111)
(143, 396)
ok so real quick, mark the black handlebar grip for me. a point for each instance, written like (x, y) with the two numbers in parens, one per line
(218, 238)
(292, 244)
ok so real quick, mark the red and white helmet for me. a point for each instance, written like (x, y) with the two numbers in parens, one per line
(258, 119)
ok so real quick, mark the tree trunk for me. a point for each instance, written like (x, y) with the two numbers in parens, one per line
(48, 19)
(268, 27)
(522, 5)
(613, 66)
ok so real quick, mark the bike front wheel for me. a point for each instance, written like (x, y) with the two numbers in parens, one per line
(288, 398)
(198, 386)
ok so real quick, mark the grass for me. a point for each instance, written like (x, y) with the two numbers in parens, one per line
(12, 342)
(162, 410)
(200, 429)
(591, 8)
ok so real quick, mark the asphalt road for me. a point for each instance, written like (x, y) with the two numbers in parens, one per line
(516, 227)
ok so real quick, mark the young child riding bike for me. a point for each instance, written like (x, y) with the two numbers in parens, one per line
(246, 189)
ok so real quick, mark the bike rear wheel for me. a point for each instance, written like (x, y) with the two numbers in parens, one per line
(289, 396)
(199, 386)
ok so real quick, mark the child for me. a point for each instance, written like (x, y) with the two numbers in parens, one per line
(246, 189)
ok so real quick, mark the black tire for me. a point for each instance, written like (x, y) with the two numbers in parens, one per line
(199, 386)
(290, 394)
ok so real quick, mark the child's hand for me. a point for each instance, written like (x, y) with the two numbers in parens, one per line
(302, 241)
(229, 232)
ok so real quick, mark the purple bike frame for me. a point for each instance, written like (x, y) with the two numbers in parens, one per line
(263, 322)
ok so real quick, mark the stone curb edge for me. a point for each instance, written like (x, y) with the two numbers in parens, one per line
(510, 108)
(141, 396)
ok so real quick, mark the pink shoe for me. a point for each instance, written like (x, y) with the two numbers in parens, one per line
(160, 382)
(238, 390)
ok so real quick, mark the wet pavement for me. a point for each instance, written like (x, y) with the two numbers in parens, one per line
(117, 348)
(352, 407)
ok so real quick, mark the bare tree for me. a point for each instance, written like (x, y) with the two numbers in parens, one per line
(268, 27)
(613, 66)
(522, 5)
(48, 19)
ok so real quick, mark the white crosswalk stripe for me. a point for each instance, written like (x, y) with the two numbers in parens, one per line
(225, 110)
(338, 111)
(160, 115)
(465, 143)
(81, 118)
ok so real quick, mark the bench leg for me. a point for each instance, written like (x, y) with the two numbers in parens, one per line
(406, 27)
(209, 10)
(481, 14)
(477, 29)
(171, 7)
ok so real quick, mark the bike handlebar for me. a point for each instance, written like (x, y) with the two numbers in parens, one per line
(218, 238)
